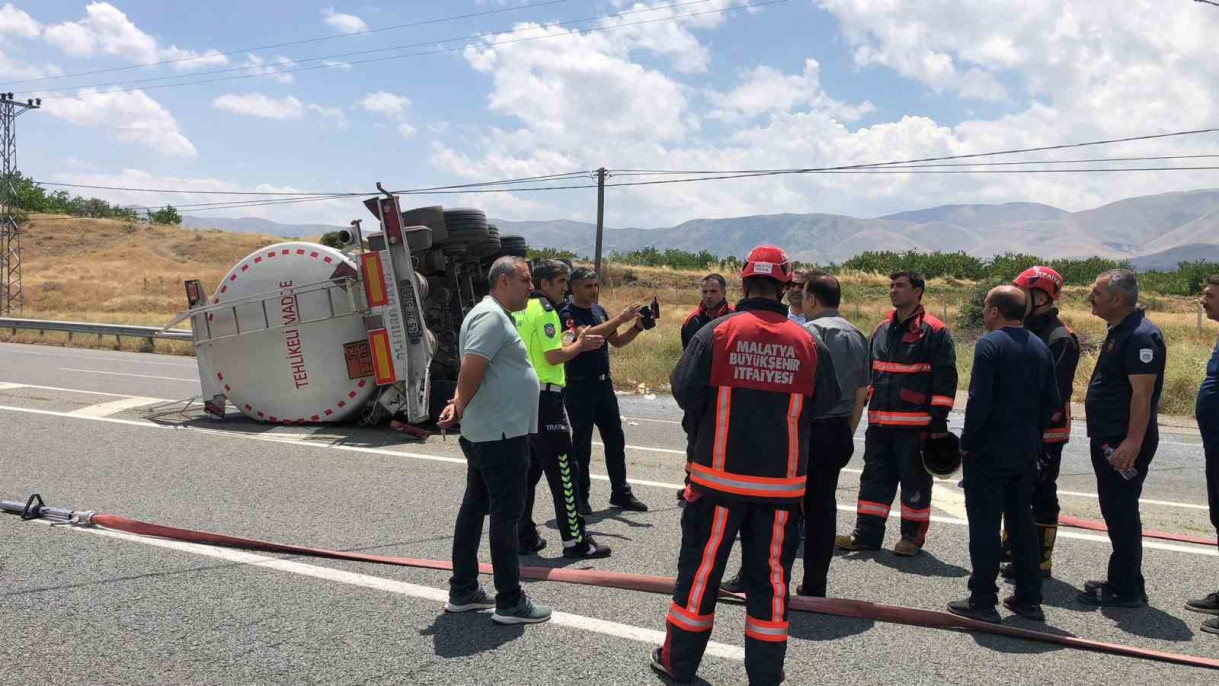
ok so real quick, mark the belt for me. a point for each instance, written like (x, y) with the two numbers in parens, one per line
(552, 387)
(579, 379)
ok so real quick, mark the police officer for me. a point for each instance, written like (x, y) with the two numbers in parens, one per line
(1012, 395)
(712, 305)
(744, 384)
(549, 346)
(914, 385)
(1122, 404)
(1208, 422)
(589, 396)
(1044, 286)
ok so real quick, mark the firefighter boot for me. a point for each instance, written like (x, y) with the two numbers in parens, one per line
(1046, 535)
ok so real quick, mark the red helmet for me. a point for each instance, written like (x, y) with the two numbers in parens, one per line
(769, 261)
(1041, 278)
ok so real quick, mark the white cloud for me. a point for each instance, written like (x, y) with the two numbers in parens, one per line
(185, 60)
(386, 104)
(982, 85)
(337, 64)
(259, 105)
(767, 90)
(334, 114)
(16, 69)
(130, 116)
(1065, 70)
(257, 65)
(15, 22)
(346, 23)
(337, 212)
(105, 29)
(393, 107)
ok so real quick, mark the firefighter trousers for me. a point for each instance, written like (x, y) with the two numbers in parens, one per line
(893, 456)
(1045, 506)
(550, 454)
(768, 546)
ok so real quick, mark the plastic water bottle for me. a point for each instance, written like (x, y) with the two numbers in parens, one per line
(1128, 473)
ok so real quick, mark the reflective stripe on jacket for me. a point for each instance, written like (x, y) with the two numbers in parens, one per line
(746, 384)
(914, 372)
(1064, 350)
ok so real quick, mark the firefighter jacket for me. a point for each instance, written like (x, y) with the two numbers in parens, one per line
(699, 318)
(914, 373)
(746, 383)
(1064, 350)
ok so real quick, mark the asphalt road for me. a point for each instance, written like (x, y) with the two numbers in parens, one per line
(84, 606)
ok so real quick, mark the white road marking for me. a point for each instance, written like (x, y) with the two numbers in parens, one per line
(281, 438)
(113, 407)
(950, 500)
(658, 421)
(645, 448)
(4, 385)
(376, 583)
(4, 350)
(75, 390)
(141, 376)
(1081, 494)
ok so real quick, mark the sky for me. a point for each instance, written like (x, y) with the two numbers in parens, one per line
(520, 89)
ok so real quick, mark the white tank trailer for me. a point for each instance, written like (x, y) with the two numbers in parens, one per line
(300, 333)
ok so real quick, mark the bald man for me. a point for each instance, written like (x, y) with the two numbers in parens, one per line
(1012, 396)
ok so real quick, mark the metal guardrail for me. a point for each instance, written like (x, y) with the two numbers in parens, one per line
(119, 331)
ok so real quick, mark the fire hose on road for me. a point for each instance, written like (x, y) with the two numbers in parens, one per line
(34, 508)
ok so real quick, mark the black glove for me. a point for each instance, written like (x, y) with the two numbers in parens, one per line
(938, 426)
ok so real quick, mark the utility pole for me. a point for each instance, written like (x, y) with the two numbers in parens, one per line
(601, 174)
(12, 299)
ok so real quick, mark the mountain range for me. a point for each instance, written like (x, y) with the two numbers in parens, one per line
(1154, 231)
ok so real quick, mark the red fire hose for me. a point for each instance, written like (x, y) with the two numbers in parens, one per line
(34, 508)
(1092, 525)
(664, 585)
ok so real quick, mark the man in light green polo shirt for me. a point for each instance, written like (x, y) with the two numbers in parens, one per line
(549, 346)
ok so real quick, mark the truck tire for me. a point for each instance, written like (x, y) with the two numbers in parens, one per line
(465, 225)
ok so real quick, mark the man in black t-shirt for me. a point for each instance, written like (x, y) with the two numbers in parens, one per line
(1122, 403)
(589, 396)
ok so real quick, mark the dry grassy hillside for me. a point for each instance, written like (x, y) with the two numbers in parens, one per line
(111, 271)
(101, 270)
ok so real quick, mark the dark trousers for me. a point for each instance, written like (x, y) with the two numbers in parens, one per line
(549, 454)
(589, 404)
(992, 495)
(831, 445)
(495, 486)
(1045, 504)
(892, 456)
(768, 545)
(1119, 505)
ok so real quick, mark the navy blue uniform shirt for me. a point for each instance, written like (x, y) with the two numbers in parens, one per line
(590, 363)
(1133, 347)
(1012, 395)
(1208, 402)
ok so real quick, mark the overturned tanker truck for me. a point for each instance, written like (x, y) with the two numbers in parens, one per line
(299, 332)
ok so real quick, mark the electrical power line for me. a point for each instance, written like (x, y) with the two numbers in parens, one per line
(337, 56)
(327, 194)
(929, 165)
(280, 71)
(318, 39)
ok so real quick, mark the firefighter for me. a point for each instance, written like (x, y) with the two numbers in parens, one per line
(914, 385)
(549, 346)
(1044, 286)
(745, 384)
(713, 305)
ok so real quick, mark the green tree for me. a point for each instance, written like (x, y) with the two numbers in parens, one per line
(331, 239)
(167, 215)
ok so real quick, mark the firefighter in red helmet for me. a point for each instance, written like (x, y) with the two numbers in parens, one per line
(1044, 286)
(746, 383)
